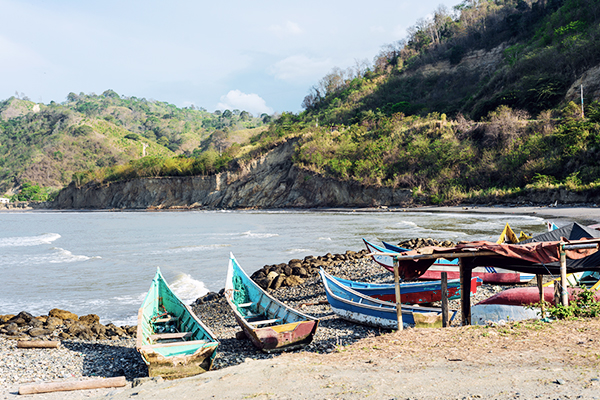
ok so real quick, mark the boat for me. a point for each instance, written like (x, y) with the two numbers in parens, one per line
(353, 306)
(270, 324)
(410, 292)
(172, 340)
(516, 304)
(493, 275)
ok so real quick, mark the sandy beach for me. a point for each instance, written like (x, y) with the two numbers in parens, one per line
(558, 360)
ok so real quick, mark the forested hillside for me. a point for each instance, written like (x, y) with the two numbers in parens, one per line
(479, 101)
(43, 146)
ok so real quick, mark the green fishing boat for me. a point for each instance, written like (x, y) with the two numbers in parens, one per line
(172, 341)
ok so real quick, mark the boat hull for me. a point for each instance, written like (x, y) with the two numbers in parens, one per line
(284, 328)
(356, 307)
(171, 339)
(411, 292)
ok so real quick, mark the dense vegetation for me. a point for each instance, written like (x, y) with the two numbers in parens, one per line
(474, 103)
(45, 145)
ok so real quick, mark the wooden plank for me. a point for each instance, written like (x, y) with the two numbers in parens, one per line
(78, 385)
(158, 345)
(444, 299)
(244, 305)
(264, 322)
(38, 344)
(166, 319)
(176, 335)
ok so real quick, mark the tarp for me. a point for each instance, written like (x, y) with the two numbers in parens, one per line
(538, 257)
(573, 231)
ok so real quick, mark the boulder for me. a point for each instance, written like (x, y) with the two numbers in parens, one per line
(62, 314)
(287, 270)
(271, 276)
(89, 319)
(98, 329)
(53, 322)
(293, 281)
(276, 284)
(35, 332)
(5, 318)
(299, 271)
(36, 323)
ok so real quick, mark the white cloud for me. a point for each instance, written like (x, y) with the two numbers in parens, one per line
(237, 99)
(288, 28)
(300, 67)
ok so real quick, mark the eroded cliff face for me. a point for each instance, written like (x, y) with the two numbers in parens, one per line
(269, 182)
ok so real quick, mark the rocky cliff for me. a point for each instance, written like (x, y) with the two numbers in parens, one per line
(268, 182)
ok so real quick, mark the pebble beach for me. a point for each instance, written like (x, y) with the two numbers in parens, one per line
(88, 359)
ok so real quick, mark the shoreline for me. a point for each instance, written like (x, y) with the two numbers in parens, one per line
(590, 213)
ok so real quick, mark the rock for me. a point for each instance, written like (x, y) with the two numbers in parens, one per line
(11, 329)
(299, 271)
(293, 281)
(89, 319)
(98, 329)
(240, 335)
(5, 318)
(53, 322)
(271, 276)
(287, 270)
(35, 332)
(278, 282)
(36, 323)
(62, 314)
(263, 283)
(142, 381)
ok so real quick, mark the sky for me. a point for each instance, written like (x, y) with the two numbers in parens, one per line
(261, 56)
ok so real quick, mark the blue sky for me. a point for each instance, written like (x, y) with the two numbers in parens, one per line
(259, 56)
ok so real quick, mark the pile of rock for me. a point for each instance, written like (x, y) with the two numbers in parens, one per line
(296, 271)
(421, 242)
(61, 324)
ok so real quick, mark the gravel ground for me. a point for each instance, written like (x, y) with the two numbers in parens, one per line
(76, 359)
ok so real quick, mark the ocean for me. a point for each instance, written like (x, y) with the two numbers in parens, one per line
(103, 262)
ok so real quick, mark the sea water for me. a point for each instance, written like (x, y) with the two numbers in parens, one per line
(103, 262)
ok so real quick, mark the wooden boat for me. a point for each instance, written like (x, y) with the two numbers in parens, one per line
(172, 341)
(410, 292)
(270, 324)
(515, 304)
(493, 275)
(356, 307)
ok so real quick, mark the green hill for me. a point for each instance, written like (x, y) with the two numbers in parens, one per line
(44, 145)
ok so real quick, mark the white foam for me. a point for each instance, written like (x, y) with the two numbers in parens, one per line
(187, 288)
(189, 249)
(325, 238)
(131, 299)
(250, 234)
(293, 251)
(46, 238)
(65, 256)
(406, 224)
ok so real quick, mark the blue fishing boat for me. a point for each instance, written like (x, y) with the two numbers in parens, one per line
(171, 339)
(350, 305)
(271, 325)
(411, 292)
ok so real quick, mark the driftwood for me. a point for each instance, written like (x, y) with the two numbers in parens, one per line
(77, 385)
(38, 344)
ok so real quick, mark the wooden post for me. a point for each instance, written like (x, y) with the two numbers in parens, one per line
(398, 299)
(563, 277)
(444, 299)
(540, 285)
(77, 385)
(465, 291)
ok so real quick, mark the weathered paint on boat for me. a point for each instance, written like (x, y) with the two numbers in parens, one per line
(411, 292)
(356, 307)
(267, 322)
(171, 339)
(482, 314)
(486, 274)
